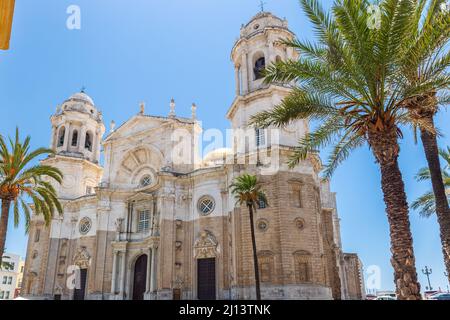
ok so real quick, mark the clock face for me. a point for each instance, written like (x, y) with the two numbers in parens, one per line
(69, 181)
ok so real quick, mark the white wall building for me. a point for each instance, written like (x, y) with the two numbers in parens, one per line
(9, 275)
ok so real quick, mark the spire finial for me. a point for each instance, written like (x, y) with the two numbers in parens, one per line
(194, 111)
(142, 107)
(112, 125)
(172, 108)
(261, 5)
(83, 89)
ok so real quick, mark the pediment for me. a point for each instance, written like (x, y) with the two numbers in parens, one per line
(137, 125)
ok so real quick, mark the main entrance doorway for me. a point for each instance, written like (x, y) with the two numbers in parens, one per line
(206, 279)
(80, 291)
(140, 277)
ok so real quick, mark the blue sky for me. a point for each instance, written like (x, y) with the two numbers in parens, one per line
(153, 50)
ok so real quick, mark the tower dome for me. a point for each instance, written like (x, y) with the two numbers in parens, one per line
(78, 128)
(258, 46)
(262, 21)
(81, 102)
(82, 97)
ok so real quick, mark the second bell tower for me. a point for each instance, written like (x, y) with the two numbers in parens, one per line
(76, 139)
(259, 45)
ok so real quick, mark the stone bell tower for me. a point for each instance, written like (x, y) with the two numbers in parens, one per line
(260, 45)
(77, 130)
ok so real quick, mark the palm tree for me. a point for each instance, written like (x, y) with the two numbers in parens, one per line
(248, 191)
(424, 73)
(427, 202)
(344, 81)
(20, 181)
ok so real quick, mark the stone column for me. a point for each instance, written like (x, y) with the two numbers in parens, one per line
(245, 72)
(123, 274)
(250, 73)
(153, 269)
(66, 137)
(82, 139)
(53, 142)
(149, 274)
(114, 273)
(96, 150)
(237, 80)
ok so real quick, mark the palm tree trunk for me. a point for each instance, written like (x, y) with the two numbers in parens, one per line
(255, 255)
(386, 149)
(403, 260)
(430, 146)
(4, 224)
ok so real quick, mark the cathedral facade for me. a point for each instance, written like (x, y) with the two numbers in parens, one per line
(155, 221)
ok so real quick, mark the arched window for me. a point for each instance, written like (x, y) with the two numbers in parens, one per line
(278, 59)
(74, 138)
(62, 133)
(88, 142)
(260, 66)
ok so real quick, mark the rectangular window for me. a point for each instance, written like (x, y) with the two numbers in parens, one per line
(265, 272)
(302, 272)
(296, 195)
(7, 295)
(9, 280)
(5, 279)
(260, 137)
(144, 220)
(21, 269)
(2, 294)
(37, 235)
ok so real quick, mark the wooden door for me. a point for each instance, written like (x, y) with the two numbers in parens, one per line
(140, 278)
(176, 294)
(80, 292)
(206, 279)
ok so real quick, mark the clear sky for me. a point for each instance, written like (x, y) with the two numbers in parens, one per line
(153, 50)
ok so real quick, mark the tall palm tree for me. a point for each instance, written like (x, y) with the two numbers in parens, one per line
(427, 202)
(248, 191)
(20, 181)
(424, 74)
(344, 81)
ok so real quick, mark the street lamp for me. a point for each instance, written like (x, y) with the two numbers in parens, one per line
(427, 272)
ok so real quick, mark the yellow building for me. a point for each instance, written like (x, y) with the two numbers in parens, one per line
(6, 18)
(19, 277)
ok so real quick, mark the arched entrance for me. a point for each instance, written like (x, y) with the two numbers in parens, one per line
(82, 260)
(205, 251)
(140, 277)
(79, 292)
